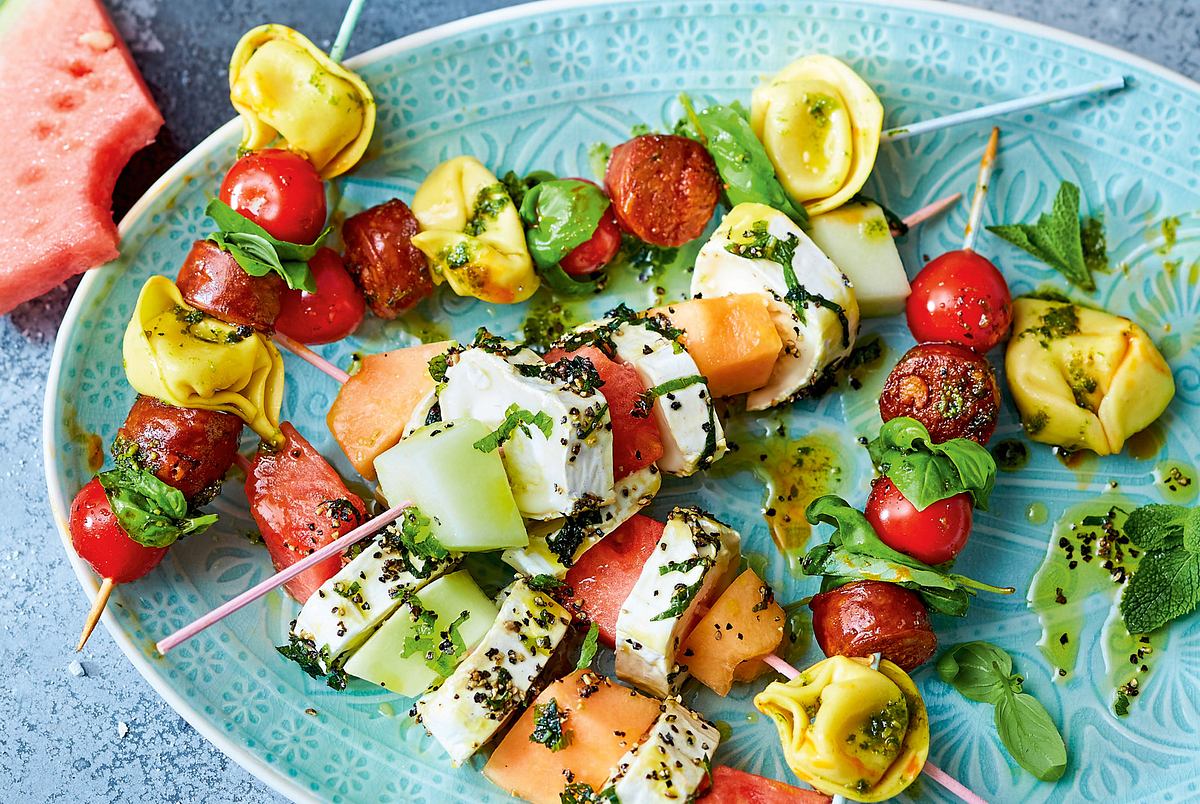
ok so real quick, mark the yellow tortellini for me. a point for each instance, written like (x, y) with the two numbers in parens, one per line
(176, 353)
(472, 233)
(1083, 378)
(285, 86)
(850, 730)
(820, 124)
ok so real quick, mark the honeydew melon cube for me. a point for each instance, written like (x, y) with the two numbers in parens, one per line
(463, 490)
(381, 658)
(857, 238)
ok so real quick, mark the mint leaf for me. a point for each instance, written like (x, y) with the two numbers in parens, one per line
(979, 670)
(1191, 531)
(1056, 237)
(258, 252)
(515, 418)
(1165, 586)
(591, 643)
(1155, 526)
(1030, 736)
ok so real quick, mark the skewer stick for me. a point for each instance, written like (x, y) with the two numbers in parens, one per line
(278, 579)
(97, 609)
(243, 463)
(312, 358)
(346, 30)
(981, 188)
(930, 210)
(1004, 107)
(933, 771)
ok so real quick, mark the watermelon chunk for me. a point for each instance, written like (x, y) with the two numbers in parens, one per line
(636, 440)
(604, 576)
(76, 109)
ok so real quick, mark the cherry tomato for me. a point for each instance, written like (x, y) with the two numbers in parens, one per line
(589, 257)
(99, 539)
(280, 191)
(934, 535)
(330, 314)
(961, 298)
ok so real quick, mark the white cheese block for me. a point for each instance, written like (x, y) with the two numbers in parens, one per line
(347, 608)
(420, 414)
(857, 238)
(551, 476)
(671, 762)
(815, 337)
(687, 420)
(690, 563)
(633, 492)
(495, 680)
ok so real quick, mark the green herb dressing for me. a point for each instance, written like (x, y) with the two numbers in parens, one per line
(1176, 481)
(1089, 556)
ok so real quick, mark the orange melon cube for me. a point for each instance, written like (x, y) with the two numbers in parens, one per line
(731, 338)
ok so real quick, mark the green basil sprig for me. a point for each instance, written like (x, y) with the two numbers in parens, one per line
(151, 512)
(926, 472)
(559, 216)
(855, 553)
(1166, 583)
(746, 171)
(258, 253)
(983, 672)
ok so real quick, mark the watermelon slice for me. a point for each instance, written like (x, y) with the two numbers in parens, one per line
(76, 109)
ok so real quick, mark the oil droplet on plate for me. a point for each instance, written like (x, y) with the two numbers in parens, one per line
(387, 710)
(1037, 513)
(1146, 444)
(1176, 482)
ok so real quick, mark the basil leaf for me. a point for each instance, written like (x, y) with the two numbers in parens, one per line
(564, 284)
(257, 252)
(1166, 585)
(559, 216)
(1030, 736)
(151, 512)
(854, 532)
(926, 472)
(1155, 526)
(979, 670)
(746, 171)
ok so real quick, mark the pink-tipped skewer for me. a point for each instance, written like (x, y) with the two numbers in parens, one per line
(933, 771)
(930, 210)
(312, 358)
(278, 579)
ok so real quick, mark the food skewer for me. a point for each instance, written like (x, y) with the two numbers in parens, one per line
(971, 233)
(304, 353)
(934, 772)
(1004, 107)
(252, 594)
(929, 210)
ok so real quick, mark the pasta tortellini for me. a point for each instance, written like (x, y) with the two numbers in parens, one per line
(850, 730)
(185, 358)
(820, 124)
(472, 234)
(286, 87)
(1083, 378)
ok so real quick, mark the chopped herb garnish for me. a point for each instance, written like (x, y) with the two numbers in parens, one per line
(489, 203)
(645, 403)
(590, 644)
(546, 583)
(681, 598)
(441, 649)
(548, 726)
(515, 418)
(314, 662)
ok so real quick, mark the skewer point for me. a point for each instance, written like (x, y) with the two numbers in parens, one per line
(97, 609)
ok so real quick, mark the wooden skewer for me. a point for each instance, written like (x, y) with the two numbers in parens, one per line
(981, 187)
(933, 771)
(93, 617)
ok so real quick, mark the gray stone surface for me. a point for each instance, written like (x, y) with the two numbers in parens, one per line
(60, 739)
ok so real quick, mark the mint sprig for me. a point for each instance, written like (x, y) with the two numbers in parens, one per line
(1056, 237)
(982, 672)
(1166, 584)
(258, 252)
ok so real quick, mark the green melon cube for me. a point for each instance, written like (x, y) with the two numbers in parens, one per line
(396, 656)
(465, 491)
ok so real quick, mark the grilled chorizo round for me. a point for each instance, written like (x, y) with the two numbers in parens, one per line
(212, 281)
(948, 388)
(867, 617)
(664, 188)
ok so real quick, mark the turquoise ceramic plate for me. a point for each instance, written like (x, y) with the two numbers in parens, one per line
(533, 87)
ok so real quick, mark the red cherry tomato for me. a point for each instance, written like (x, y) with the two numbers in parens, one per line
(99, 539)
(588, 258)
(934, 535)
(961, 298)
(330, 314)
(280, 191)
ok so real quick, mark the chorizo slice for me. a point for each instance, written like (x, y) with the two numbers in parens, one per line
(867, 617)
(948, 388)
(664, 188)
(188, 449)
(392, 273)
(212, 281)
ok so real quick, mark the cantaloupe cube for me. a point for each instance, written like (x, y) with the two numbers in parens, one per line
(373, 406)
(463, 490)
(731, 338)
